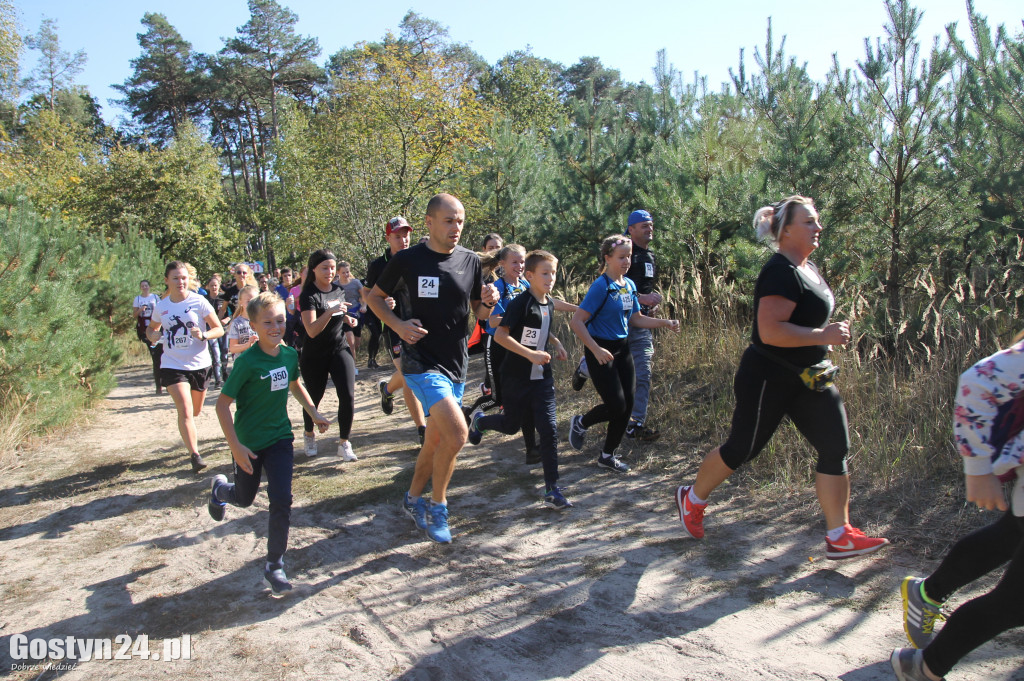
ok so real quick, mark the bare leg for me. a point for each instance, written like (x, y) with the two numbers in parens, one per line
(446, 434)
(411, 403)
(834, 497)
(711, 474)
(182, 397)
(198, 400)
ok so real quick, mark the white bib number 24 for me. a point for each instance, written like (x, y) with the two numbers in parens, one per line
(428, 287)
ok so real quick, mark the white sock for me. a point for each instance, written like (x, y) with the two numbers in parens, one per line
(274, 566)
(836, 533)
(605, 455)
(694, 499)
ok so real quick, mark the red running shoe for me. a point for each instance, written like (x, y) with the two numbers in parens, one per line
(691, 515)
(852, 543)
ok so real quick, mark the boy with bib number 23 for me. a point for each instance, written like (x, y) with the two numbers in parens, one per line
(260, 435)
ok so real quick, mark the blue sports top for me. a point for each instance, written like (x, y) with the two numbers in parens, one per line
(610, 307)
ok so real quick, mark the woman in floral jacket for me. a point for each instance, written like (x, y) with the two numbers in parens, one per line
(988, 424)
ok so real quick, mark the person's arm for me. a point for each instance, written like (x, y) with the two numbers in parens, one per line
(578, 324)
(298, 391)
(153, 331)
(314, 324)
(242, 455)
(774, 327)
(652, 299)
(562, 306)
(505, 340)
(213, 328)
(560, 353)
(410, 330)
(136, 311)
(642, 321)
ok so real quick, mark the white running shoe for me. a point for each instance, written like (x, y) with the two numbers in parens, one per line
(309, 441)
(346, 452)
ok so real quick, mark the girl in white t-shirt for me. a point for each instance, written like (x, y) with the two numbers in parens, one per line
(184, 321)
(240, 334)
(142, 312)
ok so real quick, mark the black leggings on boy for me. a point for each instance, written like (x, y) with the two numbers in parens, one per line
(277, 461)
(339, 365)
(615, 383)
(533, 402)
(982, 618)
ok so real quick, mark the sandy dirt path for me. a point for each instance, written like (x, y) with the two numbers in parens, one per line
(105, 532)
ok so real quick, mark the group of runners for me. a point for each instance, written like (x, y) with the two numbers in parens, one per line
(422, 297)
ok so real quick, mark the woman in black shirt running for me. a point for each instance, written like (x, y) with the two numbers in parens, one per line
(325, 351)
(784, 372)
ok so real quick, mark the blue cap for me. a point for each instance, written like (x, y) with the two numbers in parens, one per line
(639, 216)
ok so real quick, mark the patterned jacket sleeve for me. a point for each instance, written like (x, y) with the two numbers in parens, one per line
(988, 421)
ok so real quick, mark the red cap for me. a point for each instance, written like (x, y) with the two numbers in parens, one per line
(397, 224)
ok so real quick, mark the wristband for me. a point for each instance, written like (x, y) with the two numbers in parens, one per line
(489, 307)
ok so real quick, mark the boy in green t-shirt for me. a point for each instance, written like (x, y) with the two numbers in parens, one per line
(260, 437)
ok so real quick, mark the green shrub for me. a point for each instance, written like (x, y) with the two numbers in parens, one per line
(63, 296)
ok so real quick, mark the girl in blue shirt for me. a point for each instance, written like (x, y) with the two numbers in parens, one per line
(602, 323)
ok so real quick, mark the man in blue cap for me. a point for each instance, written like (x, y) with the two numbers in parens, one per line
(643, 271)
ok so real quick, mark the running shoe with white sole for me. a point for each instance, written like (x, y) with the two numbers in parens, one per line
(919, 613)
(276, 579)
(908, 664)
(852, 543)
(387, 400)
(691, 515)
(215, 506)
(553, 498)
(475, 434)
(309, 444)
(577, 433)
(612, 463)
(417, 510)
(346, 452)
(437, 523)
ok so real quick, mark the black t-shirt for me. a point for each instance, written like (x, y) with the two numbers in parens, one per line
(435, 288)
(332, 338)
(375, 268)
(529, 323)
(814, 305)
(642, 270)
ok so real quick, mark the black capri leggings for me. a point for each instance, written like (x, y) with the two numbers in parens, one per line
(765, 392)
(339, 365)
(980, 619)
(615, 383)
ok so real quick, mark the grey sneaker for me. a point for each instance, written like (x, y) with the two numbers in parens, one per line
(276, 579)
(215, 506)
(919, 614)
(612, 463)
(197, 462)
(576, 433)
(309, 445)
(908, 664)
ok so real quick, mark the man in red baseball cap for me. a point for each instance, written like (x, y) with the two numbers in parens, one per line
(397, 231)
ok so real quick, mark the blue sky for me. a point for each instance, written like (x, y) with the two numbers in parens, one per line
(699, 36)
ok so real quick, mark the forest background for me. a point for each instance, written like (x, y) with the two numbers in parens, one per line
(266, 151)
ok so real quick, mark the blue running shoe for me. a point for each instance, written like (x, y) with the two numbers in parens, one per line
(215, 506)
(276, 579)
(576, 433)
(437, 523)
(417, 510)
(475, 434)
(553, 498)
